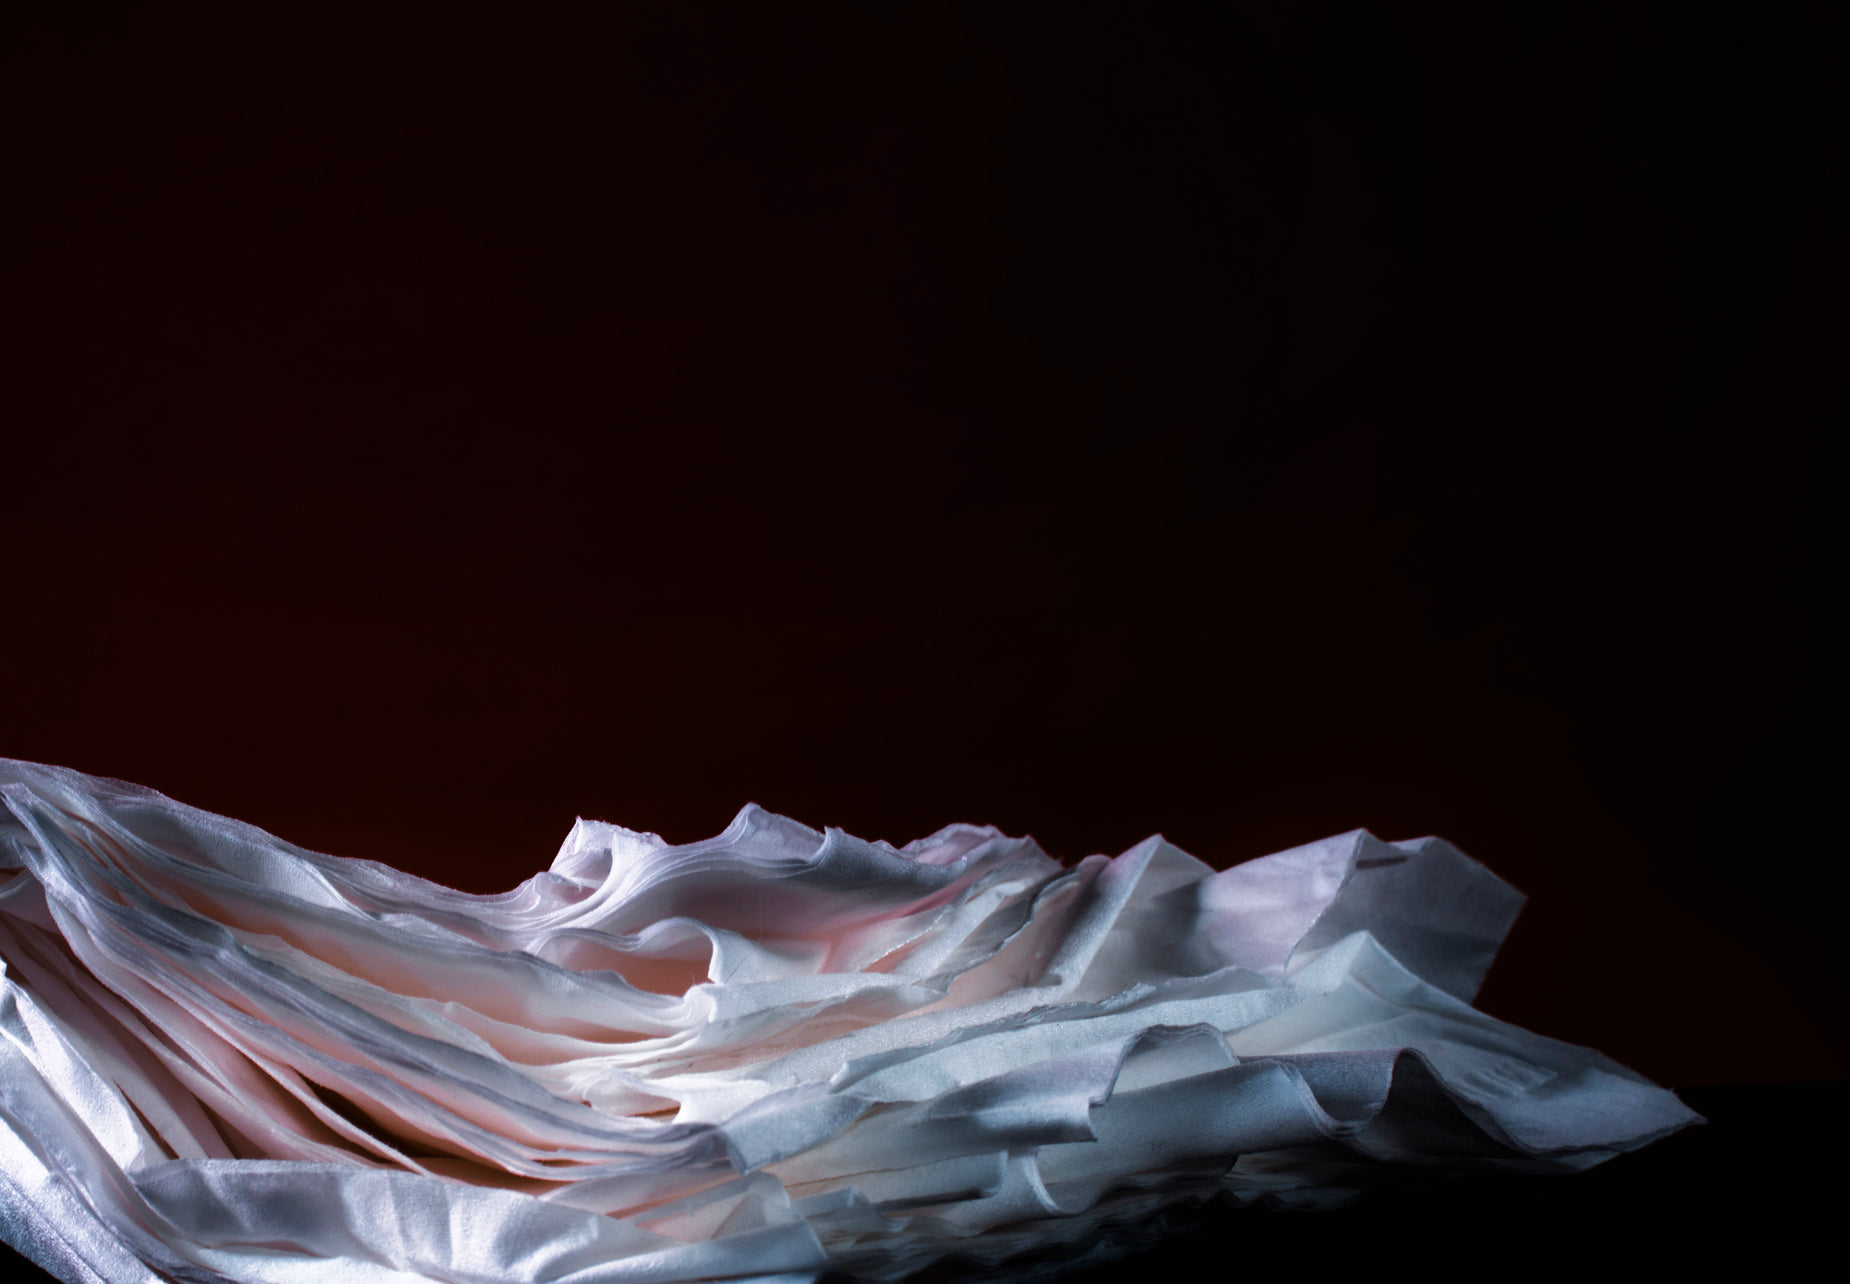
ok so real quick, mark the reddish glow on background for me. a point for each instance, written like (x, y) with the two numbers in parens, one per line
(416, 442)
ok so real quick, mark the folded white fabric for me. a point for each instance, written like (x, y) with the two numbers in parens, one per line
(764, 1055)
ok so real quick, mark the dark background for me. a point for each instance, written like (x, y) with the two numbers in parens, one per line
(1244, 421)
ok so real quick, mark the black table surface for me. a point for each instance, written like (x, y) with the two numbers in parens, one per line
(1748, 1189)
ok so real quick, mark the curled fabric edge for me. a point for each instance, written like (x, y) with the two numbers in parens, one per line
(767, 1054)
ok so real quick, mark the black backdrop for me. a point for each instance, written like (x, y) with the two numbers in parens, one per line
(1241, 421)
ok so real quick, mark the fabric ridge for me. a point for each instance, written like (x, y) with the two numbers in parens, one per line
(768, 1054)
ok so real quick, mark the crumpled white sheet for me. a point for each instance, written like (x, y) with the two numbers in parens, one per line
(762, 1055)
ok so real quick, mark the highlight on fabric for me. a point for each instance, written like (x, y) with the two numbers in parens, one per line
(772, 1053)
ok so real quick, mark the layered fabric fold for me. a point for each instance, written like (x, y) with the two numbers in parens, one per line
(773, 1053)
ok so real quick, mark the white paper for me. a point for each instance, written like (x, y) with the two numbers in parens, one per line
(759, 1056)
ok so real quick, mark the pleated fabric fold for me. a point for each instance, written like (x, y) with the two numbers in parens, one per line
(765, 1055)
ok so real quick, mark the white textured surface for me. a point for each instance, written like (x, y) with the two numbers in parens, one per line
(223, 1057)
